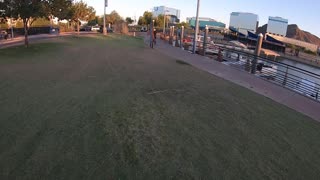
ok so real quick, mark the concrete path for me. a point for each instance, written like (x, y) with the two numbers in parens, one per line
(277, 93)
(20, 39)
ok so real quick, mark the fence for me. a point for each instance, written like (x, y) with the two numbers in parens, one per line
(34, 30)
(291, 77)
(296, 79)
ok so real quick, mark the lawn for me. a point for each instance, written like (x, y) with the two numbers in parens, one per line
(110, 108)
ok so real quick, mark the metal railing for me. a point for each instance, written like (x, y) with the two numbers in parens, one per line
(291, 77)
(296, 79)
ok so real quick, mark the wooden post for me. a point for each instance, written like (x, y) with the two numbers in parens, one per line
(257, 54)
(181, 36)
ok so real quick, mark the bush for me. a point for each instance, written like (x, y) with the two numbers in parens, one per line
(310, 52)
(4, 26)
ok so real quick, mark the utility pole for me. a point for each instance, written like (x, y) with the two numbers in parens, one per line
(164, 22)
(104, 17)
(196, 29)
(151, 34)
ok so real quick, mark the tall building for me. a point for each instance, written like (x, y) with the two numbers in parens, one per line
(171, 13)
(244, 22)
(277, 26)
(203, 22)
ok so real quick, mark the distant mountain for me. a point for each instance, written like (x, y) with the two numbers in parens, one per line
(296, 33)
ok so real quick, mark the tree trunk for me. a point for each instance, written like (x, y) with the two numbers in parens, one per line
(26, 40)
(78, 27)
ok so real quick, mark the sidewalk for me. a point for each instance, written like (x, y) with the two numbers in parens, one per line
(277, 93)
(20, 39)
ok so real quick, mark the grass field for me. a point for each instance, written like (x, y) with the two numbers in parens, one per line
(109, 108)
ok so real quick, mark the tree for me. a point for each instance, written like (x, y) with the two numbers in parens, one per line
(186, 25)
(27, 10)
(146, 19)
(160, 19)
(129, 20)
(41, 22)
(113, 17)
(62, 9)
(59, 8)
(147, 16)
(19, 23)
(82, 12)
(140, 21)
(30, 10)
(3, 23)
(97, 20)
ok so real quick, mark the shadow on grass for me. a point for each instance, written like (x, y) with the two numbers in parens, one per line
(33, 50)
(182, 62)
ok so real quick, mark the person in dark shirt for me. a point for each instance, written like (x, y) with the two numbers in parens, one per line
(154, 35)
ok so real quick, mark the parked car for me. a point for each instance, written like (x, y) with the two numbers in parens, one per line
(144, 29)
(95, 28)
(3, 35)
(85, 28)
(109, 30)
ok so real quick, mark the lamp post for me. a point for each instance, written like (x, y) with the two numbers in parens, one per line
(104, 17)
(196, 29)
(164, 22)
(151, 34)
(181, 36)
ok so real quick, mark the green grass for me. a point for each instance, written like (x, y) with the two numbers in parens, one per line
(109, 108)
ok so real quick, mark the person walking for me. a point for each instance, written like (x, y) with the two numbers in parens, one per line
(154, 36)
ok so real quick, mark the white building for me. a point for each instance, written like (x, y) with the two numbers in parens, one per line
(277, 26)
(244, 22)
(173, 14)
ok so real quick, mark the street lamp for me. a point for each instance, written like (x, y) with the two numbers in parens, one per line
(151, 34)
(152, 28)
(181, 36)
(104, 17)
(196, 29)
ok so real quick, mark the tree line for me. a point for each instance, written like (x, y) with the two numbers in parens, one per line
(159, 21)
(28, 11)
(31, 11)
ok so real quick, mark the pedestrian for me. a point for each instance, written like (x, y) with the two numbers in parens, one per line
(154, 36)
(5, 34)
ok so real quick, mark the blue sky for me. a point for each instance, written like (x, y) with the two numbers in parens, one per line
(305, 13)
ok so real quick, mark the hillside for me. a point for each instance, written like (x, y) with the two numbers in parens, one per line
(296, 33)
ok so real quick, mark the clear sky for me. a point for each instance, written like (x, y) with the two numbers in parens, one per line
(304, 13)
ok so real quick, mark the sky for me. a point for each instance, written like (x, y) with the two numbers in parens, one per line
(304, 13)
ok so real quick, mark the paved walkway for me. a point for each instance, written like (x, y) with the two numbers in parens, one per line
(277, 93)
(20, 39)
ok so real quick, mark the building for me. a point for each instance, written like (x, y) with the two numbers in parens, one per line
(203, 22)
(171, 13)
(277, 26)
(302, 44)
(243, 22)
